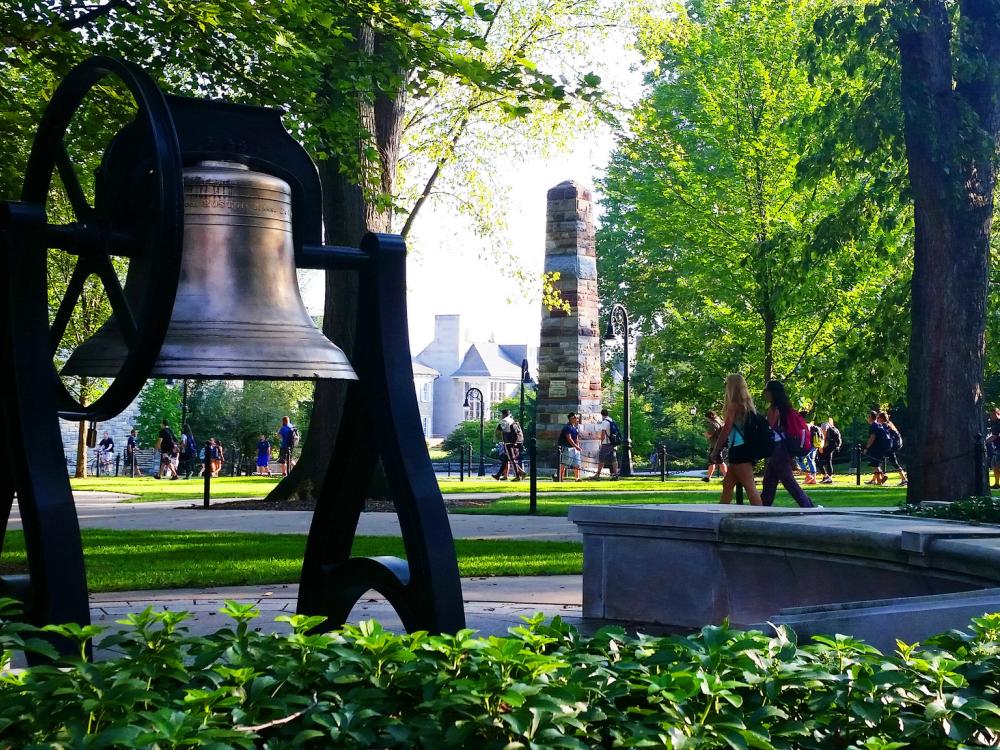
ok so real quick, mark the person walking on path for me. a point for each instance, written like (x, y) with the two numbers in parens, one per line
(263, 457)
(216, 455)
(511, 437)
(876, 448)
(166, 444)
(569, 444)
(607, 430)
(895, 443)
(779, 465)
(832, 440)
(288, 434)
(739, 405)
(712, 433)
(189, 451)
(993, 445)
(807, 462)
(131, 452)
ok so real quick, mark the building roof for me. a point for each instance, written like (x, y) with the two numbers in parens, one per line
(493, 361)
(421, 369)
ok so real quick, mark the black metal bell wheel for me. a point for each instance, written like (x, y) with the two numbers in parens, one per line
(137, 213)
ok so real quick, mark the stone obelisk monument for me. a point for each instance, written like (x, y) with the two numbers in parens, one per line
(569, 355)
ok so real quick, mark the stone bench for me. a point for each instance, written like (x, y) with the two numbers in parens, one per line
(685, 566)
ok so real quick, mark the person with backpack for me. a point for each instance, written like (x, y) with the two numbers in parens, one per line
(189, 451)
(895, 443)
(511, 438)
(807, 462)
(289, 436)
(832, 440)
(167, 445)
(611, 438)
(712, 433)
(792, 438)
(877, 448)
(741, 419)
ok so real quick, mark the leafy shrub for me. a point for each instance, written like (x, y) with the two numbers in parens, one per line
(543, 687)
(971, 509)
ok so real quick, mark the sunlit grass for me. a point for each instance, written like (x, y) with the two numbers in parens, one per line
(135, 560)
(557, 505)
(147, 489)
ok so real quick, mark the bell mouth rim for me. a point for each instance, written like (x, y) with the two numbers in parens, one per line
(219, 164)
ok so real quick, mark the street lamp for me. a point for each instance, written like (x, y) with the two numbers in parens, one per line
(482, 427)
(618, 325)
(184, 400)
(525, 378)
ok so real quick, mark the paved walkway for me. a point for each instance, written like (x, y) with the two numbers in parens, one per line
(102, 510)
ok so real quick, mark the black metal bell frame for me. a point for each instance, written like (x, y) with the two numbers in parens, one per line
(138, 213)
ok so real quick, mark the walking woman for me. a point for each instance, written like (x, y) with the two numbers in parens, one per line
(738, 405)
(779, 465)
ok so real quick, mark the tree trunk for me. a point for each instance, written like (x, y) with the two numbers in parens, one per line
(347, 215)
(952, 178)
(81, 436)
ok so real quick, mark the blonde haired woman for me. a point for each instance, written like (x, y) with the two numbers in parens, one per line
(739, 403)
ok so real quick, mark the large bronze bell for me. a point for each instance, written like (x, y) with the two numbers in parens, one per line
(238, 313)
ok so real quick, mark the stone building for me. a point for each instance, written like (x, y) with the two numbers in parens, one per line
(458, 364)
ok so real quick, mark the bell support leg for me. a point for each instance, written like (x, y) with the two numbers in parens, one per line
(56, 588)
(425, 590)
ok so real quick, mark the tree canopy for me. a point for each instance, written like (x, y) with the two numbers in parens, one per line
(734, 255)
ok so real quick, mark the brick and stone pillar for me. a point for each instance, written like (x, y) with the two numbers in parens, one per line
(569, 355)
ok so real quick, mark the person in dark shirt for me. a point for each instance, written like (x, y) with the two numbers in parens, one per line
(107, 444)
(131, 452)
(895, 443)
(263, 456)
(287, 435)
(876, 448)
(569, 442)
(166, 444)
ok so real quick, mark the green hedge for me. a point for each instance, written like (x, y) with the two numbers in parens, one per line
(971, 509)
(543, 687)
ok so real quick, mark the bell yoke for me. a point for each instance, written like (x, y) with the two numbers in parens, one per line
(214, 205)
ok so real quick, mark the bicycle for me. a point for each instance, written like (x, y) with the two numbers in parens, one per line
(102, 463)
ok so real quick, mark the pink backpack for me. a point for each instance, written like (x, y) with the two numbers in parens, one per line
(796, 439)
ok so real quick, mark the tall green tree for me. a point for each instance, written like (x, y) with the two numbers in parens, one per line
(944, 58)
(730, 254)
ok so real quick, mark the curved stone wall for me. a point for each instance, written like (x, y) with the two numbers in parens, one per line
(686, 566)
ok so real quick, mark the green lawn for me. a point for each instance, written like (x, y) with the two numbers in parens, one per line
(147, 489)
(132, 560)
(557, 505)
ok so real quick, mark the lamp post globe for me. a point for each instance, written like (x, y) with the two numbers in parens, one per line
(618, 325)
(482, 424)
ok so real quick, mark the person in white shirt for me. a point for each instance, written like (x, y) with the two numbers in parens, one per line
(607, 455)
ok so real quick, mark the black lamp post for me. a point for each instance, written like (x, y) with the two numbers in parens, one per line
(482, 426)
(618, 325)
(525, 378)
(184, 400)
